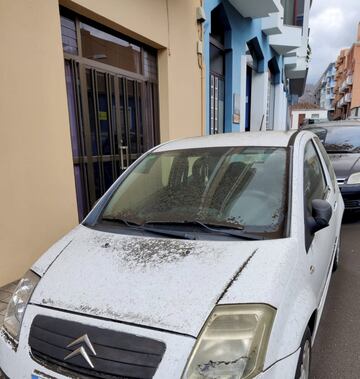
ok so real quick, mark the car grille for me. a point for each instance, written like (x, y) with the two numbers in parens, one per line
(351, 203)
(118, 355)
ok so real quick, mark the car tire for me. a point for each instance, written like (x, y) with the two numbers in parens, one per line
(304, 362)
(336, 258)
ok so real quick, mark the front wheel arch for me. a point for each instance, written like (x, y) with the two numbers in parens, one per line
(312, 322)
(304, 362)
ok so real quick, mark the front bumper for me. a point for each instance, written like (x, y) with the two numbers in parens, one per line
(19, 364)
(351, 196)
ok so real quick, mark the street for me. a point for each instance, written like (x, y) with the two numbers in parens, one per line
(336, 351)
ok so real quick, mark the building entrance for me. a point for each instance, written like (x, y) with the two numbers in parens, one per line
(113, 112)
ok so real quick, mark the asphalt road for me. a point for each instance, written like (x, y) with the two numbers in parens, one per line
(336, 353)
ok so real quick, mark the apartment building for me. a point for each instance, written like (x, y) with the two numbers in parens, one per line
(347, 89)
(262, 47)
(325, 90)
(88, 86)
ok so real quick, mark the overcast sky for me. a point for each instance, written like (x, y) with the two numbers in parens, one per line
(333, 25)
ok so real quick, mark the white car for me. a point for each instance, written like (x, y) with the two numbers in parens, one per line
(210, 257)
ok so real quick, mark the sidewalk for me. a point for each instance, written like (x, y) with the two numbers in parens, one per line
(5, 295)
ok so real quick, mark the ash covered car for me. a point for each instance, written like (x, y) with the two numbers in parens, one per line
(209, 257)
(341, 140)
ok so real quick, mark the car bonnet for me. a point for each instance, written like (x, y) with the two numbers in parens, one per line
(345, 164)
(161, 283)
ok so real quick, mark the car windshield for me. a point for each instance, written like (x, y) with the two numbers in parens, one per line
(240, 187)
(339, 139)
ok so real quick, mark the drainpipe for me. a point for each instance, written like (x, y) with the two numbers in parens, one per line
(200, 58)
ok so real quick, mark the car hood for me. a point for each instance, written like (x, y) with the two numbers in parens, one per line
(345, 164)
(162, 283)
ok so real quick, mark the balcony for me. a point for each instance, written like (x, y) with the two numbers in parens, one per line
(296, 68)
(343, 86)
(255, 8)
(341, 102)
(348, 97)
(349, 80)
(290, 62)
(273, 24)
(289, 40)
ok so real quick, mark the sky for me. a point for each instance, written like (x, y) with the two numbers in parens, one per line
(333, 25)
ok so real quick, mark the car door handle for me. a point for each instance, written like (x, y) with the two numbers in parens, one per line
(335, 205)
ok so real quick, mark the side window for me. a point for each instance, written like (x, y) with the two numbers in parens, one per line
(327, 161)
(315, 186)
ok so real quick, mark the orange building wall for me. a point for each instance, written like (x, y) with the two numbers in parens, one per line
(347, 65)
(355, 102)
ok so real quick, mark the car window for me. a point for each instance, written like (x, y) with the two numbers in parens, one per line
(223, 185)
(339, 139)
(315, 186)
(327, 161)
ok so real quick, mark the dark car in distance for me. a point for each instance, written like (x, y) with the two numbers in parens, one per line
(341, 140)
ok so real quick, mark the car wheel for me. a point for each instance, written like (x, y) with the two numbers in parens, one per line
(303, 366)
(336, 258)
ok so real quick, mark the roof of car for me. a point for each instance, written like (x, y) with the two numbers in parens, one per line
(268, 138)
(334, 123)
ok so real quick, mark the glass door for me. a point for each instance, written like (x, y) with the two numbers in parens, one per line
(107, 128)
(112, 87)
(217, 88)
(115, 125)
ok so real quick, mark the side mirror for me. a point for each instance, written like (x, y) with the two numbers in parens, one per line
(321, 215)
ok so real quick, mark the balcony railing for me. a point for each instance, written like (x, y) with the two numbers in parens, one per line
(349, 80)
(341, 102)
(255, 8)
(348, 97)
(289, 40)
(343, 86)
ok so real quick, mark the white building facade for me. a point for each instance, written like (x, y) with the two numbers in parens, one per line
(325, 89)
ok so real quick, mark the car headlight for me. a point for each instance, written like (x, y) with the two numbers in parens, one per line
(232, 344)
(17, 305)
(354, 178)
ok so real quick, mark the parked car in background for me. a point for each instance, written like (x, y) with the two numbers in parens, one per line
(341, 140)
(209, 257)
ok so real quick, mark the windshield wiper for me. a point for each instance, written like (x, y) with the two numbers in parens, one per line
(226, 229)
(150, 229)
(120, 221)
(230, 230)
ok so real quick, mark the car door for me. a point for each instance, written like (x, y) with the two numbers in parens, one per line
(319, 246)
(336, 194)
